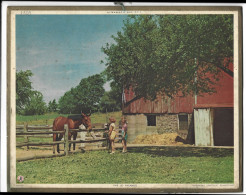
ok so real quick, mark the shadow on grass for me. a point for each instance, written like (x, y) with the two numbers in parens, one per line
(183, 151)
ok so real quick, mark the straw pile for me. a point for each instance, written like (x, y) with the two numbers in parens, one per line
(159, 139)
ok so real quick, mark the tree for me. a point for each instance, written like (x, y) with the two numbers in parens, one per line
(36, 106)
(52, 106)
(111, 100)
(67, 103)
(84, 97)
(108, 102)
(167, 54)
(28, 101)
(23, 89)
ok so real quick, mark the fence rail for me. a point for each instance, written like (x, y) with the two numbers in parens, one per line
(38, 131)
(32, 127)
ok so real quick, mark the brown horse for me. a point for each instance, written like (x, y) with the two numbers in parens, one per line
(73, 122)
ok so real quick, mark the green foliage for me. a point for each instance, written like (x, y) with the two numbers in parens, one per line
(52, 106)
(85, 97)
(107, 104)
(165, 54)
(168, 165)
(116, 93)
(66, 103)
(111, 101)
(23, 89)
(36, 105)
(28, 101)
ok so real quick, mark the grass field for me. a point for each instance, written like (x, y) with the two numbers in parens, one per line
(139, 165)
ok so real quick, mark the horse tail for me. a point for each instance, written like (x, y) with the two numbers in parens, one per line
(56, 135)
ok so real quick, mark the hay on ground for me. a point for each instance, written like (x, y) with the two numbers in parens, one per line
(160, 139)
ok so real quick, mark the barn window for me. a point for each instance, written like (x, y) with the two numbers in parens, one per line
(151, 120)
(183, 121)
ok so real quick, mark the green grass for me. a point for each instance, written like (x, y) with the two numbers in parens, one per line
(103, 117)
(35, 139)
(139, 165)
(47, 119)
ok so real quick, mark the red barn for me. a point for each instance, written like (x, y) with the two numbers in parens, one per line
(208, 117)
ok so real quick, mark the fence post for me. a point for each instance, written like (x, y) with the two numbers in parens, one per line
(26, 137)
(66, 139)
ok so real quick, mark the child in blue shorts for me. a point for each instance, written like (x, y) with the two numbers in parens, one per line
(124, 134)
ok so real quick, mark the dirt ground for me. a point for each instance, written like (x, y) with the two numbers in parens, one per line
(34, 151)
(20, 153)
(169, 139)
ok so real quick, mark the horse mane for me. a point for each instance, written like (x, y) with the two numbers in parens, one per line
(75, 117)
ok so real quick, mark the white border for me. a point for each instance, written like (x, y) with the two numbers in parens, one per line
(3, 152)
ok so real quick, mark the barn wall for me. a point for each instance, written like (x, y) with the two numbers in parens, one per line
(179, 104)
(165, 123)
(224, 92)
(136, 126)
(161, 105)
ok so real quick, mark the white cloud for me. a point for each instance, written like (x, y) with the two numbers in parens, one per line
(48, 89)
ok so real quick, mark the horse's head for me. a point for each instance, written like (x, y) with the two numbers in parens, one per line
(86, 121)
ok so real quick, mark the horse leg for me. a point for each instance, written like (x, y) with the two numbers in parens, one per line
(54, 139)
(74, 138)
(69, 138)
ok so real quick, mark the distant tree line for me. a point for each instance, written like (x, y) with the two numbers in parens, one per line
(88, 96)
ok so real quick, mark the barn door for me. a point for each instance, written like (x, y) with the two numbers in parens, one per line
(223, 127)
(203, 122)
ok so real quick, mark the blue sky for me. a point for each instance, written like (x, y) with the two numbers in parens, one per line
(60, 50)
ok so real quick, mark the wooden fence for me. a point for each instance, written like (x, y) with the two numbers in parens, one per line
(47, 132)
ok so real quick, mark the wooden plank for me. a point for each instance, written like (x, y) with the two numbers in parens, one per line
(85, 130)
(37, 130)
(34, 126)
(39, 136)
(87, 141)
(39, 127)
(20, 128)
(40, 132)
